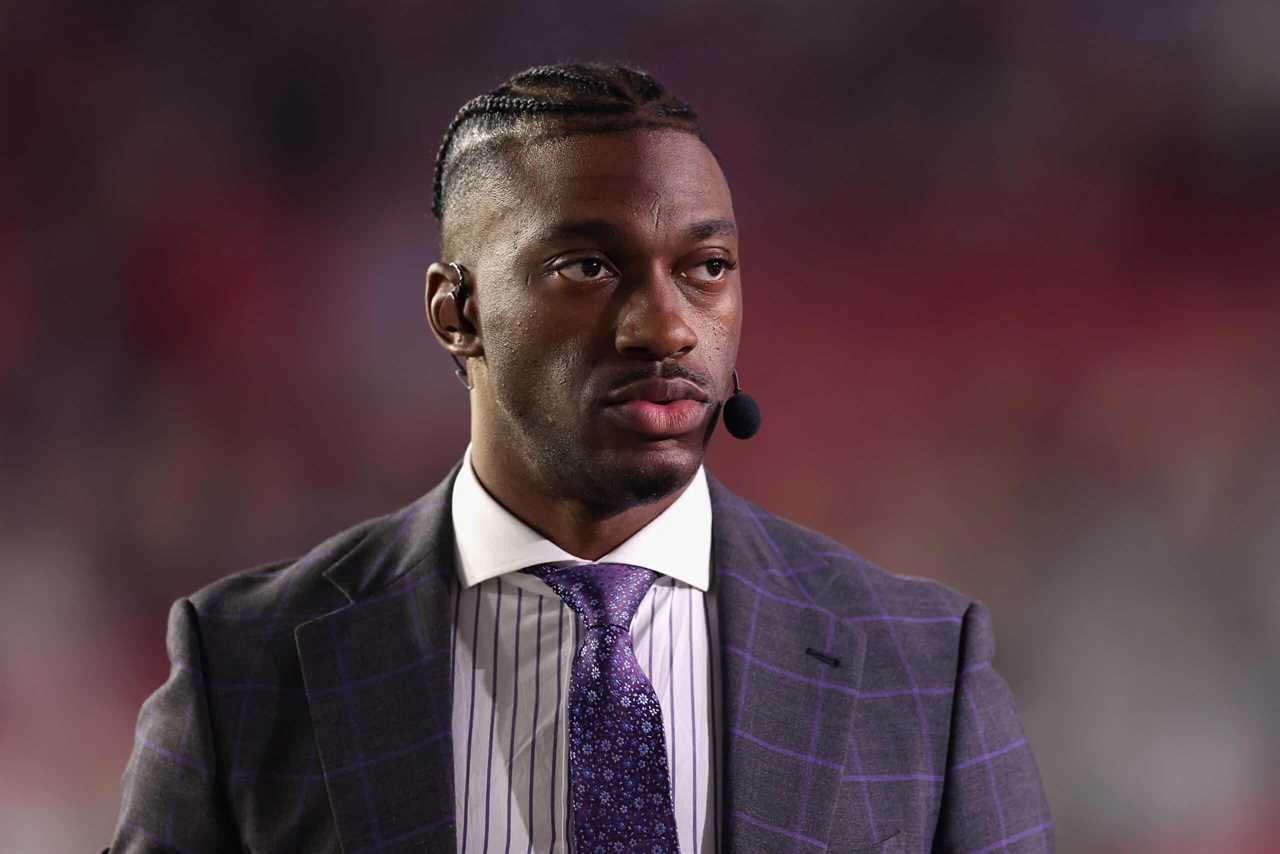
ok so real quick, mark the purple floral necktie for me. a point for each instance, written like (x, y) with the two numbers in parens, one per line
(620, 788)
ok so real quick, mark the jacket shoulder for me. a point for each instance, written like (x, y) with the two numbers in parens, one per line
(284, 590)
(351, 563)
(866, 585)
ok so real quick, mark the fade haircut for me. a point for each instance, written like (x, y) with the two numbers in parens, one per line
(544, 102)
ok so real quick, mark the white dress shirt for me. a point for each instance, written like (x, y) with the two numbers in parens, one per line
(513, 648)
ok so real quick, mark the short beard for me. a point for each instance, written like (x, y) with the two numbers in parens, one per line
(631, 488)
(604, 485)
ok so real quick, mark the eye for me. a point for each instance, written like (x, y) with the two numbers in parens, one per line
(585, 270)
(711, 270)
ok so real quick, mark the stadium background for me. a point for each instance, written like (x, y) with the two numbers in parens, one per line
(1012, 317)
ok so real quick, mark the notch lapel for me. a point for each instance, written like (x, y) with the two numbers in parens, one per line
(787, 715)
(377, 675)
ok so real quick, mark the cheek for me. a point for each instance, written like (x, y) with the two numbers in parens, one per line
(721, 327)
(544, 344)
(530, 361)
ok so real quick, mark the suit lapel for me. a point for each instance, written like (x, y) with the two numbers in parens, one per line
(377, 675)
(787, 715)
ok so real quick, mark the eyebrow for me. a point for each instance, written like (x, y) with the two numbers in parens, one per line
(712, 228)
(603, 231)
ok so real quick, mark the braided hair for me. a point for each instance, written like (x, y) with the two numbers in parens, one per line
(556, 99)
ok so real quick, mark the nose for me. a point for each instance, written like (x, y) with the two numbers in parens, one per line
(652, 322)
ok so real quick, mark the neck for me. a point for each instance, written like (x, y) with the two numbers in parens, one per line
(570, 523)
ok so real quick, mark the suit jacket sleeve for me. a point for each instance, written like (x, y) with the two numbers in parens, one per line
(173, 800)
(992, 796)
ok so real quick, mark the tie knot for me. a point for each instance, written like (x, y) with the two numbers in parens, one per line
(600, 593)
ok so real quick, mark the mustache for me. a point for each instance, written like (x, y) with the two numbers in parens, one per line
(664, 371)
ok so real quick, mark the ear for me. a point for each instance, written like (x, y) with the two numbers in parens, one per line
(458, 333)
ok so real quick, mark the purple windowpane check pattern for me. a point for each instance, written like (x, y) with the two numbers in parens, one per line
(620, 786)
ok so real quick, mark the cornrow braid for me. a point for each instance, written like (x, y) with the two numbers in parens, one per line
(585, 96)
(569, 74)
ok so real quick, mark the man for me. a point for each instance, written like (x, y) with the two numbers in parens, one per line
(579, 640)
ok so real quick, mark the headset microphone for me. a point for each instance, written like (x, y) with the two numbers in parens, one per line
(741, 412)
(460, 293)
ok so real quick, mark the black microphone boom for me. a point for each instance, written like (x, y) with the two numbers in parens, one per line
(741, 412)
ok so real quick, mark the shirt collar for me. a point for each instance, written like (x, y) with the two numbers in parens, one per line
(493, 542)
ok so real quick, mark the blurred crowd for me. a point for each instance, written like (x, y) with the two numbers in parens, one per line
(1012, 316)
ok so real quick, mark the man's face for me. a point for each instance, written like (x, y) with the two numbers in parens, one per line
(609, 310)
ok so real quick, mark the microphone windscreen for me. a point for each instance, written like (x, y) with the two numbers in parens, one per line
(741, 416)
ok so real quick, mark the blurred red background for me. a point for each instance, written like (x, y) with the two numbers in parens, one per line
(1012, 317)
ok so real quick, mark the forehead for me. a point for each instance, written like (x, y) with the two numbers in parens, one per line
(653, 176)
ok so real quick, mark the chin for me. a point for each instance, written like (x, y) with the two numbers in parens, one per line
(655, 479)
(611, 470)
(627, 477)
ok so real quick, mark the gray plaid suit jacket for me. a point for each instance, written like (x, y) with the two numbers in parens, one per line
(309, 706)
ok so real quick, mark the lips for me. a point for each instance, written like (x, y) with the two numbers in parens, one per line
(657, 408)
(657, 390)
